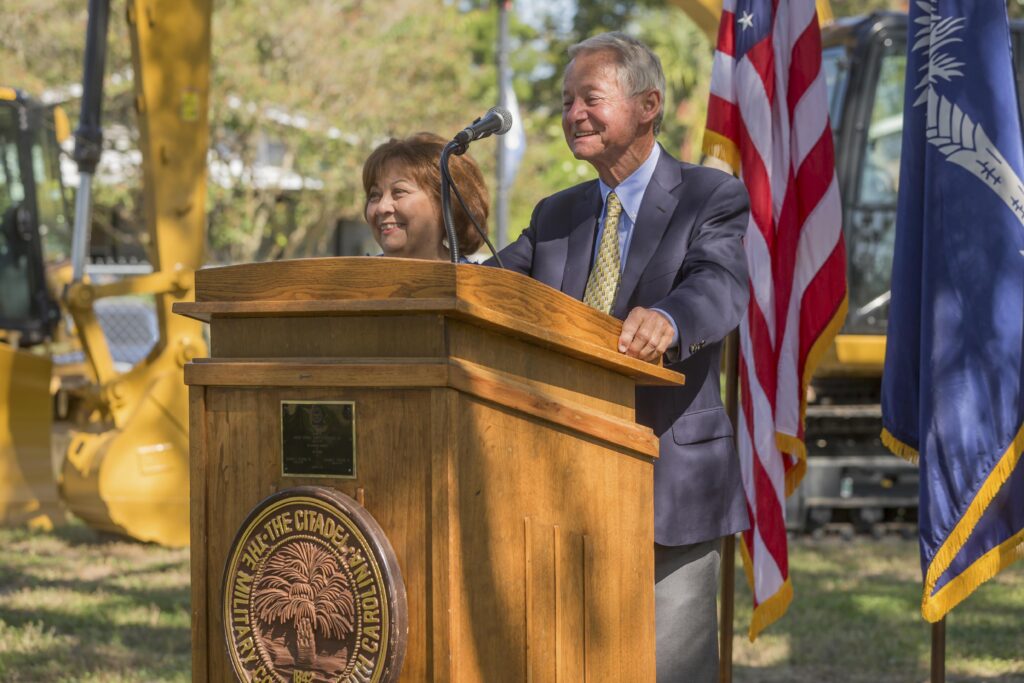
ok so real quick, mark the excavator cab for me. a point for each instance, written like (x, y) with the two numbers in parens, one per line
(866, 64)
(852, 480)
(851, 477)
(34, 234)
(34, 226)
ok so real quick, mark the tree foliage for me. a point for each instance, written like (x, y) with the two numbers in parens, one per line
(308, 89)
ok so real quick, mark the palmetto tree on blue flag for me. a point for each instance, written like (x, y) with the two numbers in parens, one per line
(953, 386)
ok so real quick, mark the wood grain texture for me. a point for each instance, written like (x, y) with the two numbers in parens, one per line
(327, 278)
(199, 569)
(404, 372)
(442, 662)
(531, 398)
(451, 478)
(503, 466)
(394, 457)
(571, 590)
(505, 390)
(505, 301)
(578, 380)
(329, 337)
(209, 310)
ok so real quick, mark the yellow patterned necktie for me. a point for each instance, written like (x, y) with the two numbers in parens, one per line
(603, 283)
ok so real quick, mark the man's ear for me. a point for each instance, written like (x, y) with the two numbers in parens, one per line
(650, 105)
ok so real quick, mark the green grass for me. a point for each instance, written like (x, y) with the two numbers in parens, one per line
(78, 606)
(856, 617)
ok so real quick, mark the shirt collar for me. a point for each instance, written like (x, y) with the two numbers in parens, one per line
(631, 190)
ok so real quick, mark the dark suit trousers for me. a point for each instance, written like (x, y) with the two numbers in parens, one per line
(686, 611)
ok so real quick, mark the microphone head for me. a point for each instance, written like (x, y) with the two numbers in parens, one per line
(506, 119)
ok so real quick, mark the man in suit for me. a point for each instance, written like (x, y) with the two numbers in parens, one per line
(658, 244)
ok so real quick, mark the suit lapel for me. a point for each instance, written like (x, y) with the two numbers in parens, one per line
(652, 221)
(581, 242)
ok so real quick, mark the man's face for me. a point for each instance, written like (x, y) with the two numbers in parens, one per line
(600, 120)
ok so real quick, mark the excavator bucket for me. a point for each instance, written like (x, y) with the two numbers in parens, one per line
(28, 489)
(134, 480)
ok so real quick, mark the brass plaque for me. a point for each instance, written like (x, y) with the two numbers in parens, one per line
(318, 439)
(312, 592)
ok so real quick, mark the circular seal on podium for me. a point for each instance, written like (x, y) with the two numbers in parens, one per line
(312, 593)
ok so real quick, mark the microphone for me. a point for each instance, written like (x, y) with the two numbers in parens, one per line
(497, 121)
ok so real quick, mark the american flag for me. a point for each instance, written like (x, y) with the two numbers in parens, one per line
(768, 118)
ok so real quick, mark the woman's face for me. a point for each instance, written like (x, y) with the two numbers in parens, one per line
(403, 217)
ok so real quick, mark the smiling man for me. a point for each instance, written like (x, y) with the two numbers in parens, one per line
(658, 244)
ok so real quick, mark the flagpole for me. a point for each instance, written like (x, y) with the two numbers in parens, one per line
(501, 200)
(939, 651)
(725, 627)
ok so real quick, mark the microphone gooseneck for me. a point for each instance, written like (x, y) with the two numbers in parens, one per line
(446, 202)
(497, 121)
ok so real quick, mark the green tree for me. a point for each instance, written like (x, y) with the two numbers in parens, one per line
(686, 58)
(325, 83)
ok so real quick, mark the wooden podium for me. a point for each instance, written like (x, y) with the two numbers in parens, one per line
(496, 448)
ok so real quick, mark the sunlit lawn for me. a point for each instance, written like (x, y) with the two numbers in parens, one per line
(75, 606)
(78, 607)
(856, 617)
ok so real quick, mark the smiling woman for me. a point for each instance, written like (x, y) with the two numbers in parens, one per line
(402, 181)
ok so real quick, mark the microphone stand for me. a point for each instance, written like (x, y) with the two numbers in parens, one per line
(446, 199)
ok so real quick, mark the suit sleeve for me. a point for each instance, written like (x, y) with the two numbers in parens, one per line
(518, 256)
(713, 289)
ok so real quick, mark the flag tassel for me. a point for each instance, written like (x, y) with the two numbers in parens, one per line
(899, 448)
(934, 607)
(772, 609)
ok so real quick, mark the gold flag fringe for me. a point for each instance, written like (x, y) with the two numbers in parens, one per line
(934, 607)
(721, 147)
(771, 609)
(905, 451)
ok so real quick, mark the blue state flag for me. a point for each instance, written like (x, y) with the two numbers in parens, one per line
(954, 371)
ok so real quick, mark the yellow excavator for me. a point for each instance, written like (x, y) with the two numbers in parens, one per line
(34, 233)
(126, 468)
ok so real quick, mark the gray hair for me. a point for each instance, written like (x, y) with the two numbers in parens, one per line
(639, 68)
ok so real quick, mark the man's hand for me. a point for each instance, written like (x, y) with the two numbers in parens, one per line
(646, 334)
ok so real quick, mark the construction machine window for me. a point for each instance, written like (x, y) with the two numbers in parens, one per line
(54, 224)
(880, 174)
(835, 64)
(11, 189)
(16, 302)
(872, 229)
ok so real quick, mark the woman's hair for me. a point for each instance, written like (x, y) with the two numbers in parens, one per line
(419, 155)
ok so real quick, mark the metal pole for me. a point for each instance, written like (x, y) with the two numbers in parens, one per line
(939, 651)
(89, 134)
(725, 627)
(504, 82)
(80, 231)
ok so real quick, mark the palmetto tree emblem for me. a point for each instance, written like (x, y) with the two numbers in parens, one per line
(303, 586)
(957, 137)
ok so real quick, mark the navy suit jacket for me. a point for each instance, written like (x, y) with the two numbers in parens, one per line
(686, 258)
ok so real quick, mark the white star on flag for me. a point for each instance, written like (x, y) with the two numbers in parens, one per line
(747, 20)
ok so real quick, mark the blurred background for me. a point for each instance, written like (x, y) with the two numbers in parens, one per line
(301, 92)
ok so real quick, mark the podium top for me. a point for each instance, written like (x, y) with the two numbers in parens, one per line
(514, 304)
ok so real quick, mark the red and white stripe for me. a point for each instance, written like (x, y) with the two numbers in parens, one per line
(768, 118)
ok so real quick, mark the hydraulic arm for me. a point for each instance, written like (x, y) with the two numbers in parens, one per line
(128, 472)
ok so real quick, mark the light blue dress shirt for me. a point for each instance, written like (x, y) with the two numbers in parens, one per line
(631, 193)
